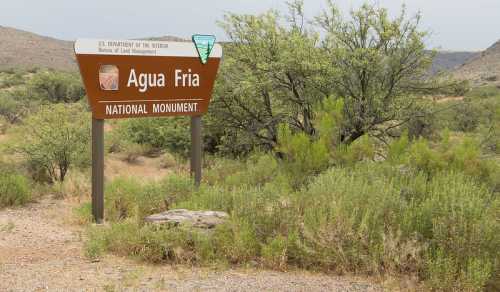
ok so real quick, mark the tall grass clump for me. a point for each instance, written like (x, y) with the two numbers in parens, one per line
(129, 198)
(15, 189)
(457, 218)
(374, 219)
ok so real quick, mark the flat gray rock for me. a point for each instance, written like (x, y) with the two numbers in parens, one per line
(198, 219)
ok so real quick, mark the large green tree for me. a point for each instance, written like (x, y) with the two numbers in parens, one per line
(379, 66)
(270, 75)
(279, 70)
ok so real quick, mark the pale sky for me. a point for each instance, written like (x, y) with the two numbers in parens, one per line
(455, 24)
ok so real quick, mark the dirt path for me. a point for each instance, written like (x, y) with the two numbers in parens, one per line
(41, 250)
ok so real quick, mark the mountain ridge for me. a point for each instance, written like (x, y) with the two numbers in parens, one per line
(25, 50)
(483, 69)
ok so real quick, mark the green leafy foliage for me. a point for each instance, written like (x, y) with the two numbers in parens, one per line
(170, 134)
(127, 198)
(55, 139)
(302, 156)
(15, 189)
(54, 86)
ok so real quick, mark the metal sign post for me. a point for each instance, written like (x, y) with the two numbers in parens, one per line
(196, 149)
(98, 170)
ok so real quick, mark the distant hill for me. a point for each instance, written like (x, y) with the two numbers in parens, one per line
(483, 68)
(26, 50)
(448, 60)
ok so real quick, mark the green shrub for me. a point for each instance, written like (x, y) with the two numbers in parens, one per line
(83, 213)
(12, 78)
(457, 219)
(176, 188)
(464, 156)
(274, 253)
(346, 214)
(94, 246)
(170, 134)
(484, 92)
(150, 243)
(14, 189)
(55, 87)
(362, 149)
(368, 218)
(219, 168)
(397, 150)
(120, 201)
(302, 155)
(133, 151)
(237, 241)
(55, 139)
(128, 198)
(13, 105)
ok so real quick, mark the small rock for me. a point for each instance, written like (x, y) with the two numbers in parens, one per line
(198, 219)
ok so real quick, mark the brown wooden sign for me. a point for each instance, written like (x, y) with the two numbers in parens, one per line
(133, 78)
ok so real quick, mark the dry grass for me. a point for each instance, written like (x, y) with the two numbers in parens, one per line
(144, 168)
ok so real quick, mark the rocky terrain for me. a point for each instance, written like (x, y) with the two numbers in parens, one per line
(483, 68)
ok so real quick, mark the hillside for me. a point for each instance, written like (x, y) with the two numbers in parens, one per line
(448, 60)
(483, 68)
(25, 50)
(21, 49)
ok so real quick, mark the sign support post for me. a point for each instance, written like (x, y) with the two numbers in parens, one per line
(98, 170)
(196, 149)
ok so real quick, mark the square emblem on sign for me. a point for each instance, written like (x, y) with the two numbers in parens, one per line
(108, 77)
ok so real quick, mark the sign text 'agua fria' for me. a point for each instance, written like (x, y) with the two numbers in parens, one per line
(135, 78)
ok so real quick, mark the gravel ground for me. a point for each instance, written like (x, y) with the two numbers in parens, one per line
(41, 250)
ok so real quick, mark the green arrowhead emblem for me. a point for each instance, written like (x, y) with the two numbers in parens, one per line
(204, 45)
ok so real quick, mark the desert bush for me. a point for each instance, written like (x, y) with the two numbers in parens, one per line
(367, 218)
(128, 198)
(484, 92)
(170, 134)
(83, 214)
(467, 117)
(302, 156)
(132, 151)
(363, 149)
(346, 214)
(121, 199)
(55, 139)
(10, 109)
(76, 184)
(176, 188)
(15, 189)
(55, 86)
(463, 155)
(11, 78)
(456, 219)
(422, 122)
(219, 168)
(151, 243)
